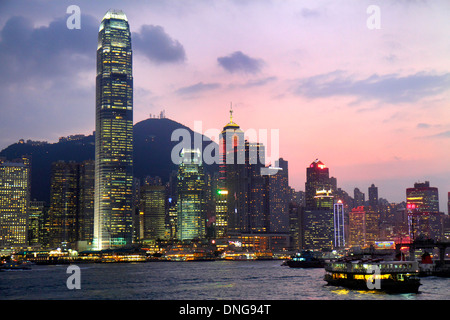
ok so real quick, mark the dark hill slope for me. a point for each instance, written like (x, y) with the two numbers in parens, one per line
(152, 154)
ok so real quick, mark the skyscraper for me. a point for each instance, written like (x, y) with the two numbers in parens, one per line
(279, 198)
(422, 205)
(318, 222)
(64, 197)
(339, 225)
(191, 196)
(317, 178)
(373, 196)
(113, 134)
(359, 198)
(363, 226)
(448, 204)
(153, 198)
(86, 202)
(14, 201)
(232, 174)
(36, 211)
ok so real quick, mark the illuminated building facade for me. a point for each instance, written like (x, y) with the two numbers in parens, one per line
(153, 208)
(317, 178)
(86, 202)
(339, 225)
(113, 211)
(232, 174)
(422, 205)
(364, 223)
(359, 198)
(36, 211)
(14, 202)
(191, 203)
(278, 190)
(373, 196)
(448, 204)
(63, 212)
(318, 222)
(221, 213)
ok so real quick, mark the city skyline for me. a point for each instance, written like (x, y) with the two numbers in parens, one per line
(375, 112)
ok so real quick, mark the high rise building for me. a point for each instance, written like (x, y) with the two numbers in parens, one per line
(36, 211)
(114, 134)
(86, 202)
(232, 175)
(317, 178)
(363, 226)
(64, 204)
(373, 196)
(279, 196)
(339, 224)
(317, 216)
(14, 202)
(422, 198)
(191, 196)
(359, 198)
(318, 222)
(256, 219)
(153, 207)
(221, 213)
(448, 204)
(422, 205)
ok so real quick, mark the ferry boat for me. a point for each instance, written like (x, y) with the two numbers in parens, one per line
(374, 274)
(305, 259)
(15, 265)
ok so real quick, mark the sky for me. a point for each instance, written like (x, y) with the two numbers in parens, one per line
(371, 103)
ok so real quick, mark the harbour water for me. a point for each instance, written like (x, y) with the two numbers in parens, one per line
(209, 280)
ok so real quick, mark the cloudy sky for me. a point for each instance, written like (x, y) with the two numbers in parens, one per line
(372, 104)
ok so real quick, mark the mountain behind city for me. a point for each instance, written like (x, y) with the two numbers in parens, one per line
(152, 153)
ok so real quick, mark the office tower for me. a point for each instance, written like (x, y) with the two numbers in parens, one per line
(423, 198)
(422, 205)
(232, 174)
(295, 225)
(339, 225)
(317, 178)
(359, 198)
(448, 204)
(363, 226)
(153, 207)
(256, 219)
(64, 197)
(14, 201)
(36, 212)
(356, 226)
(191, 196)
(279, 196)
(136, 211)
(86, 202)
(221, 213)
(373, 196)
(318, 222)
(113, 134)
(171, 206)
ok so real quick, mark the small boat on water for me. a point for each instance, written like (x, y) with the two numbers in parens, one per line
(374, 274)
(305, 259)
(15, 265)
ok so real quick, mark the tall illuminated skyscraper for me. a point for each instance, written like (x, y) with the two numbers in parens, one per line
(191, 196)
(14, 201)
(63, 212)
(317, 178)
(113, 134)
(153, 206)
(422, 204)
